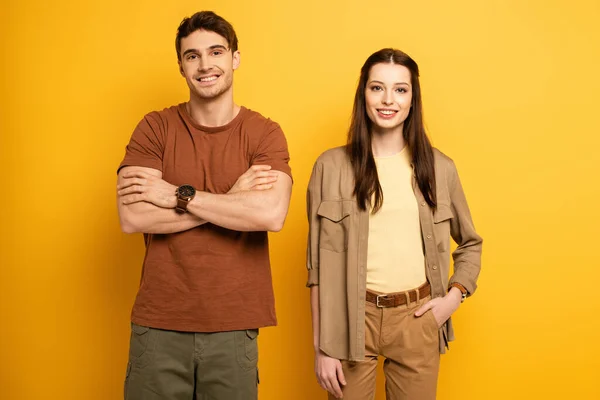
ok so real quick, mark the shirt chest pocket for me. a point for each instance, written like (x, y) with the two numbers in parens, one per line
(334, 221)
(441, 225)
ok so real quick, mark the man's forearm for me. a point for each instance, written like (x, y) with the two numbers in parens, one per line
(246, 211)
(242, 211)
(145, 217)
(255, 203)
(141, 215)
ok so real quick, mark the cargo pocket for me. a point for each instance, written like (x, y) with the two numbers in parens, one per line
(141, 345)
(139, 340)
(246, 343)
(333, 233)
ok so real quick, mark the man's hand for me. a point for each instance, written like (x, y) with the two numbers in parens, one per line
(258, 177)
(442, 307)
(329, 374)
(138, 186)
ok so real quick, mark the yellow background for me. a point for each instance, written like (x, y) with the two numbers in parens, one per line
(510, 92)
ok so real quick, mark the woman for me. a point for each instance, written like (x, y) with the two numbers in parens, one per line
(381, 212)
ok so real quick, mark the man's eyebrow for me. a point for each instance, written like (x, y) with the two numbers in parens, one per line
(213, 47)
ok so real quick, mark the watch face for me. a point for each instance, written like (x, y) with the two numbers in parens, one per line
(186, 191)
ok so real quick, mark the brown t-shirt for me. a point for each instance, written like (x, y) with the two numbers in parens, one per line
(206, 279)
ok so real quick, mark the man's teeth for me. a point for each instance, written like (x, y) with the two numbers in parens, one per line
(208, 78)
(387, 112)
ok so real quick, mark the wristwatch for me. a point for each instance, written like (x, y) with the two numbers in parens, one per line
(463, 290)
(185, 194)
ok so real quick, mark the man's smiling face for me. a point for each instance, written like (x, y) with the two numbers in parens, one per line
(207, 64)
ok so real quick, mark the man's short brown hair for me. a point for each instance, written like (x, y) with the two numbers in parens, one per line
(208, 21)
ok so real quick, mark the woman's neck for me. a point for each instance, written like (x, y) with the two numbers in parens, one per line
(388, 142)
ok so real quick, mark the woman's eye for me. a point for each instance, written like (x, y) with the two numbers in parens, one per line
(375, 88)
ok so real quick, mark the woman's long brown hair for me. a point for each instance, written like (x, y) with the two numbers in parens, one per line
(367, 184)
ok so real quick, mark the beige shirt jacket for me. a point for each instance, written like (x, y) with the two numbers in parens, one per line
(337, 249)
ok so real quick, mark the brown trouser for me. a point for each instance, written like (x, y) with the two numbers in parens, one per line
(410, 346)
(170, 365)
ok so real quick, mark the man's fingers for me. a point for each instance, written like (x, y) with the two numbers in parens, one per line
(265, 174)
(252, 175)
(256, 171)
(132, 198)
(135, 174)
(257, 176)
(260, 167)
(131, 189)
(263, 181)
(263, 187)
(130, 181)
(255, 183)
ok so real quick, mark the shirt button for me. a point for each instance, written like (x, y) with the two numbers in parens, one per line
(428, 236)
(434, 267)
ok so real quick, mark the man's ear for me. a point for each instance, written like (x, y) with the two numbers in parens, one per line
(236, 60)
(180, 68)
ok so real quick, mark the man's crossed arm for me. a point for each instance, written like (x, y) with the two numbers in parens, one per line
(258, 201)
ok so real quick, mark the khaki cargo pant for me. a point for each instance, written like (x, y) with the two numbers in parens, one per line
(410, 346)
(170, 365)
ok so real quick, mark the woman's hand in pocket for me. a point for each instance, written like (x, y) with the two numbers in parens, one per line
(442, 307)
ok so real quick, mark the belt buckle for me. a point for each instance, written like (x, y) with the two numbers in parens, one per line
(377, 300)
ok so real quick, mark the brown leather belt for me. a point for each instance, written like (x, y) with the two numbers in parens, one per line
(399, 299)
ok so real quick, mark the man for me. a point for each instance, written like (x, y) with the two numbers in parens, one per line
(204, 181)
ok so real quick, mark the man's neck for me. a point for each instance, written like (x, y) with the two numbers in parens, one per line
(213, 113)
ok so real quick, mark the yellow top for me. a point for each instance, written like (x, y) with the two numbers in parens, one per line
(395, 258)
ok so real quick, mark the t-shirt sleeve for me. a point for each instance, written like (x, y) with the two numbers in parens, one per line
(146, 146)
(273, 150)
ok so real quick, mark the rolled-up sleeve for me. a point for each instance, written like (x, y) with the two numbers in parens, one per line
(467, 256)
(313, 199)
